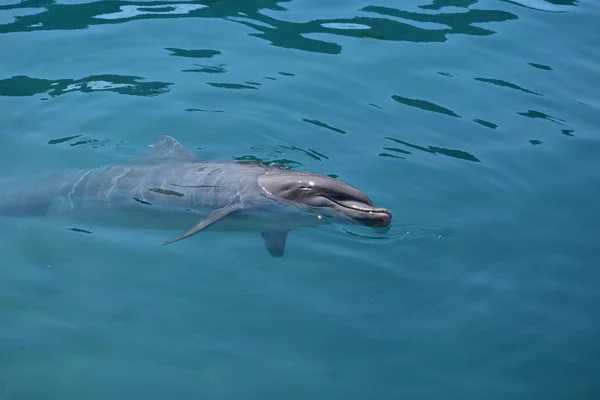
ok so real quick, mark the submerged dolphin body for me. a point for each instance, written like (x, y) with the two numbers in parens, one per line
(173, 188)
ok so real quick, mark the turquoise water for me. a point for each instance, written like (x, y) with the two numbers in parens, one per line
(475, 123)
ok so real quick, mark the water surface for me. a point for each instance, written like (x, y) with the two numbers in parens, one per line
(475, 122)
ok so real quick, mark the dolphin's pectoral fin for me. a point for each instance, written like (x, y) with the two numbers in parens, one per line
(275, 242)
(213, 217)
(166, 147)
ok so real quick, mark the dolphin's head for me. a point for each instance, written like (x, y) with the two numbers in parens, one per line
(324, 194)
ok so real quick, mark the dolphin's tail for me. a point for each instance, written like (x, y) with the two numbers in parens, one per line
(20, 198)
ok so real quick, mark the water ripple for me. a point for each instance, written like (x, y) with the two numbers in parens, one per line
(9, 16)
(388, 24)
(226, 85)
(274, 156)
(347, 25)
(540, 115)
(439, 4)
(459, 23)
(323, 125)
(131, 11)
(485, 123)
(208, 69)
(425, 105)
(200, 53)
(556, 6)
(203, 110)
(85, 140)
(541, 66)
(130, 85)
(459, 154)
(81, 16)
(500, 82)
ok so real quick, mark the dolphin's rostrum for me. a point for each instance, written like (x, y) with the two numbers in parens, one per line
(172, 188)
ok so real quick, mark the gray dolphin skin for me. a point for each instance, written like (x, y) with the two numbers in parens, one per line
(172, 188)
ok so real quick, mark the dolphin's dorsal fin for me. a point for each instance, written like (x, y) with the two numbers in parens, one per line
(165, 146)
(275, 242)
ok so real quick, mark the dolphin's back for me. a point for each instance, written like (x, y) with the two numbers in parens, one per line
(172, 184)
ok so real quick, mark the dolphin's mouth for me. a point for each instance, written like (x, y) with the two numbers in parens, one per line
(363, 213)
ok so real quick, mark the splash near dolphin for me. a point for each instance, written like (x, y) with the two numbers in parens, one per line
(172, 188)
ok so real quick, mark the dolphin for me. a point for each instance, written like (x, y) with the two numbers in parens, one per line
(171, 187)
